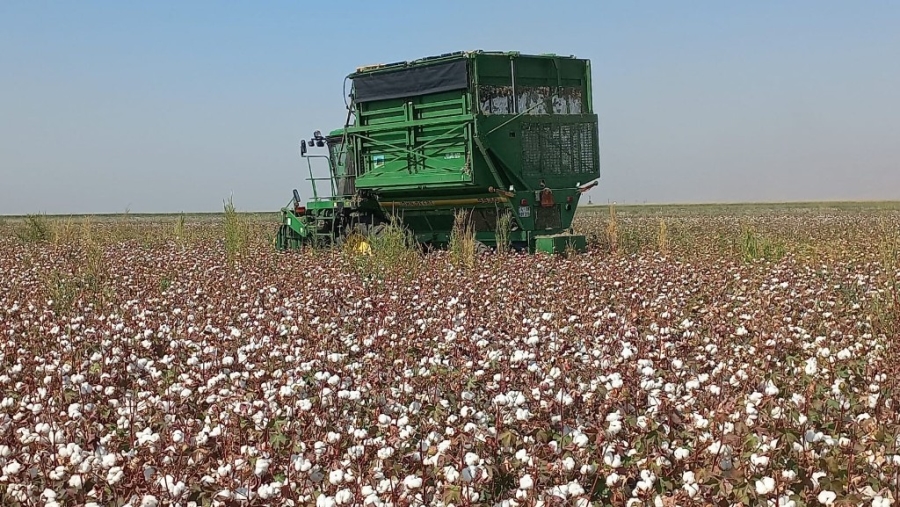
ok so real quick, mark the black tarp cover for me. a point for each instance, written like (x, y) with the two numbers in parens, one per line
(412, 81)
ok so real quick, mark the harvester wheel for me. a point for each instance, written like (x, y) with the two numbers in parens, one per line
(285, 240)
(359, 236)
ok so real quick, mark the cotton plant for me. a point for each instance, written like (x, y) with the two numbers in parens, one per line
(630, 380)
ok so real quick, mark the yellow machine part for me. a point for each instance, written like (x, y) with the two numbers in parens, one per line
(358, 244)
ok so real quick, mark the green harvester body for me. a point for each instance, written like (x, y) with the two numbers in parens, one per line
(484, 133)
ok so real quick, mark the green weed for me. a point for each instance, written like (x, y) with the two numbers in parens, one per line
(236, 232)
(612, 231)
(504, 222)
(754, 246)
(179, 228)
(387, 251)
(886, 306)
(36, 228)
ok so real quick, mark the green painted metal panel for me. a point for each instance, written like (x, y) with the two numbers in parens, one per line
(424, 142)
(560, 243)
(322, 204)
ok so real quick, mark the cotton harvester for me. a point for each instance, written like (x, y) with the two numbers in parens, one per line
(481, 132)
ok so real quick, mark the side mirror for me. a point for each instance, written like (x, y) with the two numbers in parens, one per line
(302, 147)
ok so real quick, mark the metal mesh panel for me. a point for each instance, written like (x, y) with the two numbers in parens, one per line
(479, 219)
(484, 220)
(547, 218)
(558, 149)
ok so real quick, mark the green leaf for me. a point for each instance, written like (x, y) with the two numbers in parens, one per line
(789, 437)
(452, 495)
(667, 485)
(278, 439)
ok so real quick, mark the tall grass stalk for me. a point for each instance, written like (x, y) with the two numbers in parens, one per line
(83, 277)
(65, 232)
(663, 237)
(392, 252)
(886, 306)
(504, 222)
(95, 275)
(463, 245)
(236, 230)
(179, 228)
(612, 230)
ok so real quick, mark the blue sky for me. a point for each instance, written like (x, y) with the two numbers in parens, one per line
(169, 106)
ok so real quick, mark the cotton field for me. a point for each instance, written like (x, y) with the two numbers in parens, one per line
(148, 368)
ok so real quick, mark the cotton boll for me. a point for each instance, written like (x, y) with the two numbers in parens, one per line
(765, 486)
(811, 367)
(262, 466)
(759, 460)
(12, 468)
(451, 474)
(412, 482)
(343, 497)
(325, 501)
(826, 497)
(114, 475)
(612, 460)
(581, 440)
(108, 460)
(336, 477)
(58, 473)
(612, 479)
(691, 489)
(266, 491)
